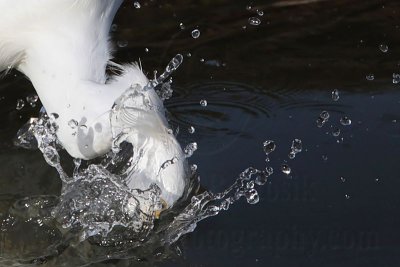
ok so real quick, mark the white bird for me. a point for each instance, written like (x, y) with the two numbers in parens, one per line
(63, 47)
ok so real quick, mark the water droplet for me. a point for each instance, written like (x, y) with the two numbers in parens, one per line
(146, 50)
(383, 47)
(320, 122)
(188, 54)
(269, 147)
(254, 21)
(136, 4)
(324, 115)
(250, 185)
(322, 119)
(20, 104)
(249, 7)
(292, 155)
(182, 26)
(336, 132)
(73, 124)
(122, 43)
(297, 146)
(324, 157)
(190, 149)
(342, 179)
(174, 63)
(252, 196)
(191, 130)
(32, 99)
(285, 169)
(370, 77)
(345, 121)
(203, 103)
(335, 95)
(260, 12)
(347, 196)
(114, 27)
(396, 78)
(262, 178)
(196, 33)
(53, 116)
(193, 167)
(269, 171)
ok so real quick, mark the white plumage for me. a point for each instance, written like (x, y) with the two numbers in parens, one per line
(63, 47)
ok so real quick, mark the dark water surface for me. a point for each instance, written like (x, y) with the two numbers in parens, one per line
(340, 205)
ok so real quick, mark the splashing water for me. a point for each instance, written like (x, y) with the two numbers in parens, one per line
(97, 205)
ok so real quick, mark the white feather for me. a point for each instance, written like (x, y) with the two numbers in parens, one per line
(63, 47)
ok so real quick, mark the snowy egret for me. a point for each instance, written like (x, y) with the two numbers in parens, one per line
(63, 47)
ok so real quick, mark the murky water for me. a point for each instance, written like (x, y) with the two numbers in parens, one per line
(320, 72)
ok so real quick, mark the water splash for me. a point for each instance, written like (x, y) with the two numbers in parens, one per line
(98, 206)
(172, 66)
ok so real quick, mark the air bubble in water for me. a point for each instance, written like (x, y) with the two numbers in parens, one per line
(285, 169)
(345, 121)
(20, 104)
(182, 26)
(396, 78)
(249, 7)
(383, 47)
(335, 95)
(370, 77)
(196, 33)
(254, 21)
(203, 103)
(260, 12)
(136, 4)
